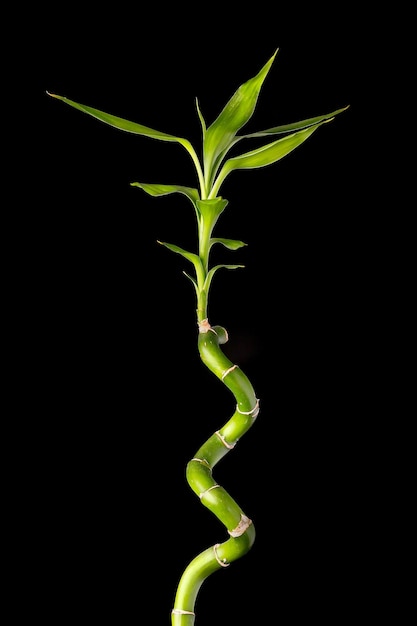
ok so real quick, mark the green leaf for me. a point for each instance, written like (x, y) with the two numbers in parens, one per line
(212, 209)
(197, 291)
(136, 129)
(265, 155)
(231, 244)
(193, 280)
(201, 118)
(163, 190)
(234, 116)
(286, 128)
(119, 122)
(190, 256)
(213, 270)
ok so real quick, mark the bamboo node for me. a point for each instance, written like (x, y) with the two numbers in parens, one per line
(243, 525)
(226, 372)
(220, 561)
(181, 612)
(228, 445)
(203, 493)
(254, 412)
(204, 326)
(202, 461)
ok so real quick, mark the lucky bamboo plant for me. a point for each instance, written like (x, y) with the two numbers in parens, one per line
(211, 172)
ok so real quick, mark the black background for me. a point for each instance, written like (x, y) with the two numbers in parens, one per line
(111, 337)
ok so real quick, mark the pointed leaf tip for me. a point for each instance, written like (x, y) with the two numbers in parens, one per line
(220, 135)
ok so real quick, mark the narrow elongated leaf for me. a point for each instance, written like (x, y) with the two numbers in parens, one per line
(266, 155)
(197, 291)
(272, 152)
(201, 118)
(132, 127)
(194, 258)
(119, 122)
(163, 190)
(213, 270)
(232, 118)
(190, 256)
(287, 128)
(231, 244)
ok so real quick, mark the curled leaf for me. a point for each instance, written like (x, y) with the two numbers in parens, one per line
(213, 270)
(231, 244)
(162, 190)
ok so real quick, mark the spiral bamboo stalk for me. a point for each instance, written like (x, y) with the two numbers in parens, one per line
(218, 139)
(200, 476)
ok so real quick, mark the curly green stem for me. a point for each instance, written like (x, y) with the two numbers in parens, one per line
(200, 478)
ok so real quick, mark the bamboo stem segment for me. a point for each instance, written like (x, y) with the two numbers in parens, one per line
(213, 496)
